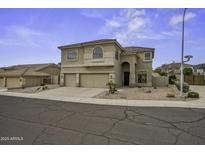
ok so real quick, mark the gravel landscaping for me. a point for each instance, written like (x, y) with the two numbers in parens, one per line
(34, 89)
(144, 93)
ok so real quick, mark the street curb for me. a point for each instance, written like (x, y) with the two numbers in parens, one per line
(114, 102)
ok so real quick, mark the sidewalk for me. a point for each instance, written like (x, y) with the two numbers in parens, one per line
(200, 103)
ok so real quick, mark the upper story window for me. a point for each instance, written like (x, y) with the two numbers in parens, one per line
(72, 55)
(97, 53)
(148, 56)
(116, 55)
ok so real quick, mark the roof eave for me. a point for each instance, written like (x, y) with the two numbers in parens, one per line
(90, 43)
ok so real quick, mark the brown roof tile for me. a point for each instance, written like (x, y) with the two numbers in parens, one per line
(25, 70)
(90, 43)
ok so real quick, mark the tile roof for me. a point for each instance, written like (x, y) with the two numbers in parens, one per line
(91, 42)
(25, 70)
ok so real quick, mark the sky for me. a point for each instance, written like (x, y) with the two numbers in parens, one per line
(32, 35)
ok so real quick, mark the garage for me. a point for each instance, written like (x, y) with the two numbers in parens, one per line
(93, 80)
(12, 82)
(70, 80)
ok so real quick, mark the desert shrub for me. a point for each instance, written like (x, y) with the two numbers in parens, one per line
(172, 79)
(112, 87)
(44, 87)
(171, 95)
(192, 94)
(148, 91)
(185, 86)
(188, 71)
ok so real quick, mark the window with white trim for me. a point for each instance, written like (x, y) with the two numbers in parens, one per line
(148, 56)
(97, 53)
(72, 55)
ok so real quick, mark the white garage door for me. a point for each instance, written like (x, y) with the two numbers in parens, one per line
(93, 80)
(70, 80)
(12, 83)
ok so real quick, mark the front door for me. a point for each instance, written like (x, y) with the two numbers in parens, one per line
(126, 78)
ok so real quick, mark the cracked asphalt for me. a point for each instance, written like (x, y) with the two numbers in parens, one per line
(38, 121)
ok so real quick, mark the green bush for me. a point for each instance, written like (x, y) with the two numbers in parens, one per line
(112, 87)
(172, 79)
(185, 86)
(192, 94)
(188, 71)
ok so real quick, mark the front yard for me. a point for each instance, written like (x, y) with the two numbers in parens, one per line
(36, 89)
(144, 93)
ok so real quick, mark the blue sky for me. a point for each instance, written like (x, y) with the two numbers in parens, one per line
(32, 35)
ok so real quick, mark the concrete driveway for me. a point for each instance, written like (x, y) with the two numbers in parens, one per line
(73, 92)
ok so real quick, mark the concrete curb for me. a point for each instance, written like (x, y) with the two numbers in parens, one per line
(117, 102)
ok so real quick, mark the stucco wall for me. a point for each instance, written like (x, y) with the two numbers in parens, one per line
(160, 81)
(85, 55)
(104, 69)
(118, 68)
(144, 66)
(79, 60)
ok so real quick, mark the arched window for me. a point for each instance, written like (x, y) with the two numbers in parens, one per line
(97, 53)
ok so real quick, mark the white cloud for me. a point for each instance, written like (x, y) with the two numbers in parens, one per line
(92, 13)
(25, 32)
(129, 26)
(23, 36)
(136, 24)
(131, 13)
(113, 23)
(178, 18)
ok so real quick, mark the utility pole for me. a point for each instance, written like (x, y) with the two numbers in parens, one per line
(182, 55)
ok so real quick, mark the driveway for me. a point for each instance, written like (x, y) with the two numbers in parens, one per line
(77, 92)
(36, 121)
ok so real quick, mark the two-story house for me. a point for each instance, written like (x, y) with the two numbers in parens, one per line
(94, 63)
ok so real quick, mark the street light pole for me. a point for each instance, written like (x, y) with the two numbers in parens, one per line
(182, 55)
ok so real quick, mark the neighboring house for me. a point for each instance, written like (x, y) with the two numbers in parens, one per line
(19, 76)
(173, 68)
(199, 69)
(94, 63)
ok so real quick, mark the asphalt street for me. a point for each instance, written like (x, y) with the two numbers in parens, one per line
(35, 121)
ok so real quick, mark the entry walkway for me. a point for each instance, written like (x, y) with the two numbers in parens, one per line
(79, 98)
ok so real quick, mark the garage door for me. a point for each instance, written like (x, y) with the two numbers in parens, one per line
(70, 80)
(93, 80)
(12, 83)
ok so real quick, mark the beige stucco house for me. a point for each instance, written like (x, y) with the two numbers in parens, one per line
(94, 63)
(19, 76)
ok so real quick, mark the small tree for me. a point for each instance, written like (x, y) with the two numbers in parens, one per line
(112, 87)
(188, 71)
